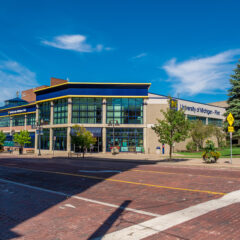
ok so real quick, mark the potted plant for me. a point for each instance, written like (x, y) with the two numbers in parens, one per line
(210, 155)
(115, 150)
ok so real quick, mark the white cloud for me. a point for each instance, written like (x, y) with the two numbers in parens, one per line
(140, 56)
(75, 43)
(202, 75)
(14, 77)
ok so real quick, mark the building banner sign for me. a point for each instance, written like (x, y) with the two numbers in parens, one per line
(17, 111)
(199, 110)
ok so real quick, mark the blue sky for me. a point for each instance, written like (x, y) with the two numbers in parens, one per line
(184, 48)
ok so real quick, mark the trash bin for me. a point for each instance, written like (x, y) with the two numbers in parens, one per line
(158, 150)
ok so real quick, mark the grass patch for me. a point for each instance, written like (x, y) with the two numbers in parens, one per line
(224, 153)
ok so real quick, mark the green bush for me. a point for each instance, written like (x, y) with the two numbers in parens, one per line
(191, 146)
(210, 155)
(222, 144)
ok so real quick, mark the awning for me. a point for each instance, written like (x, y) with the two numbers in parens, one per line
(96, 131)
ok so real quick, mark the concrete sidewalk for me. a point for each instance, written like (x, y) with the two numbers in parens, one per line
(133, 158)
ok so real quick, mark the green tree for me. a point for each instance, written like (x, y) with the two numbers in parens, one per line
(200, 132)
(2, 138)
(82, 138)
(174, 128)
(220, 135)
(234, 99)
(22, 138)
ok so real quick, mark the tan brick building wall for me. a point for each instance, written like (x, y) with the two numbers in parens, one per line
(155, 103)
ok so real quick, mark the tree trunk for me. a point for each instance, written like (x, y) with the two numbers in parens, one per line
(170, 152)
(83, 152)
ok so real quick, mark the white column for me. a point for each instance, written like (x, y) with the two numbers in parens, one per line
(68, 139)
(25, 122)
(36, 136)
(69, 124)
(50, 139)
(10, 124)
(51, 112)
(145, 125)
(104, 114)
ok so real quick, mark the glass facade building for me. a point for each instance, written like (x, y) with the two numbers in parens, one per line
(44, 112)
(87, 110)
(60, 139)
(117, 114)
(214, 121)
(60, 111)
(31, 119)
(45, 139)
(4, 121)
(18, 120)
(125, 110)
(194, 118)
(126, 139)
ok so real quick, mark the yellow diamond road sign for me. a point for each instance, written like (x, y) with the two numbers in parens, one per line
(230, 119)
(230, 129)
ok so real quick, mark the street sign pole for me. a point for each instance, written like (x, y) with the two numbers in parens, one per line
(231, 145)
(230, 120)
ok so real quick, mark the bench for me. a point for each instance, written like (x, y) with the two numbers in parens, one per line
(30, 151)
(72, 154)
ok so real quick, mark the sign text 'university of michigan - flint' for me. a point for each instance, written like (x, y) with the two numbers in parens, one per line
(199, 110)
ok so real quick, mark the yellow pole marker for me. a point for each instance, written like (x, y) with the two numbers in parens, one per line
(230, 119)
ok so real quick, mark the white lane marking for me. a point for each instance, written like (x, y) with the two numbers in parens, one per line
(69, 205)
(80, 198)
(156, 225)
(100, 171)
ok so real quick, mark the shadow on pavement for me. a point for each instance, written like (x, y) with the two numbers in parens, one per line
(102, 230)
(17, 207)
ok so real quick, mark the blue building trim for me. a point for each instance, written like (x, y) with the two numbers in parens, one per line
(93, 90)
(18, 110)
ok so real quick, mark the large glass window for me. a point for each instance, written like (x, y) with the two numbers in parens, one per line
(60, 139)
(194, 118)
(31, 119)
(214, 121)
(125, 110)
(44, 112)
(127, 139)
(60, 111)
(18, 120)
(87, 110)
(45, 139)
(4, 121)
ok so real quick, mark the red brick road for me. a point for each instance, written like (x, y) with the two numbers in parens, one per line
(27, 213)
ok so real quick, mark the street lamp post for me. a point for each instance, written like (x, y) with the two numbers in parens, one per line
(113, 123)
(39, 129)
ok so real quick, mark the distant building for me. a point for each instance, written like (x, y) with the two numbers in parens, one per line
(220, 104)
(119, 114)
